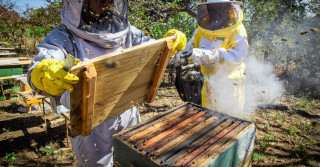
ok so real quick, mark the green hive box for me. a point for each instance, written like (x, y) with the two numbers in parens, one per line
(10, 70)
(187, 135)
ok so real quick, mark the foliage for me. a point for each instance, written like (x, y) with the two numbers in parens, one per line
(10, 157)
(72, 155)
(46, 151)
(10, 21)
(156, 17)
(260, 157)
(33, 24)
(282, 33)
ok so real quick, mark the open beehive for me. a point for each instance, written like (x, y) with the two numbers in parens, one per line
(187, 135)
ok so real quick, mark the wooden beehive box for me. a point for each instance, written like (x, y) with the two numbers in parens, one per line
(187, 135)
(113, 83)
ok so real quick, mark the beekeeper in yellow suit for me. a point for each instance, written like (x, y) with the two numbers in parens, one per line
(219, 45)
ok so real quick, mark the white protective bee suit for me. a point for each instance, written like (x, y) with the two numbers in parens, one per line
(219, 45)
(86, 35)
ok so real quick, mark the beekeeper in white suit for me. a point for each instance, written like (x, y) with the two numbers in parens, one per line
(219, 45)
(90, 28)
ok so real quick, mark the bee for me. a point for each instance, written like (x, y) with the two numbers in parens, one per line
(303, 32)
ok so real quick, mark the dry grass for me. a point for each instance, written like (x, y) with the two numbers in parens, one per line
(288, 134)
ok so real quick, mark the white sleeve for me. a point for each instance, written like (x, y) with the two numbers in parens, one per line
(238, 53)
(205, 57)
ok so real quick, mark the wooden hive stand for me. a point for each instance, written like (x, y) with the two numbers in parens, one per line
(31, 97)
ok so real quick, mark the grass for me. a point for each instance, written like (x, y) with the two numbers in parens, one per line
(72, 155)
(10, 157)
(305, 101)
(269, 137)
(292, 132)
(45, 151)
(258, 157)
(312, 141)
(58, 116)
(4, 130)
(278, 117)
(309, 126)
(264, 144)
(302, 148)
(313, 163)
(60, 153)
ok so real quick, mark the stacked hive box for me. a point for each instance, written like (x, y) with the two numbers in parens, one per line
(188, 135)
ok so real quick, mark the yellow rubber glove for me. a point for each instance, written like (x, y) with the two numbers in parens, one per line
(49, 76)
(180, 43)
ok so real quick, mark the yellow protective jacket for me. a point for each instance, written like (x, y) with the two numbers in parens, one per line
(223, 88)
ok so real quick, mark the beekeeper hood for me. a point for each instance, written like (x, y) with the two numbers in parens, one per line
(104, 22)
(218, 14)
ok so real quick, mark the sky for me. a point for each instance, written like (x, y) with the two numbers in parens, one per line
(21, 4)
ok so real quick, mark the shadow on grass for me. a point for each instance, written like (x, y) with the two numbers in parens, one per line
(286, 108)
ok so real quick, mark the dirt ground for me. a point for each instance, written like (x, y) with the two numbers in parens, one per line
(288, 133)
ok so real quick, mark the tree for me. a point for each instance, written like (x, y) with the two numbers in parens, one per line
(156, 17)
(10, 22)
(279, 32)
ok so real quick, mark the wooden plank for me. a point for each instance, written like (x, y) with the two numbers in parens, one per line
(23, 62)
(7, 77)
(168, 125)
(7, 48)
(87, 105)
(247, 162)
(31, 95)
(123, 81)
(161, 126)
(179, 139)
(127, 133)
(7, 54)
(213, 148)
(159, 72)
(176, 134)
(167, 132)
(188, 158)
(185, 147)
(19, 58)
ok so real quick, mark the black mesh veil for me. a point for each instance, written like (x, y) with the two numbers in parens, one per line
(215, 16)
(107, 16)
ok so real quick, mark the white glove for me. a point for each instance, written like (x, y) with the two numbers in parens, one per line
(181, 56)
(202, 56)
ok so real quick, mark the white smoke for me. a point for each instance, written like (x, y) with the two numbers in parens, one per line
(240, 99)
(262, 85)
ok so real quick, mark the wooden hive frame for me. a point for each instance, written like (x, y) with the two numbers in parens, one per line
(116, 82)
(187, 135)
